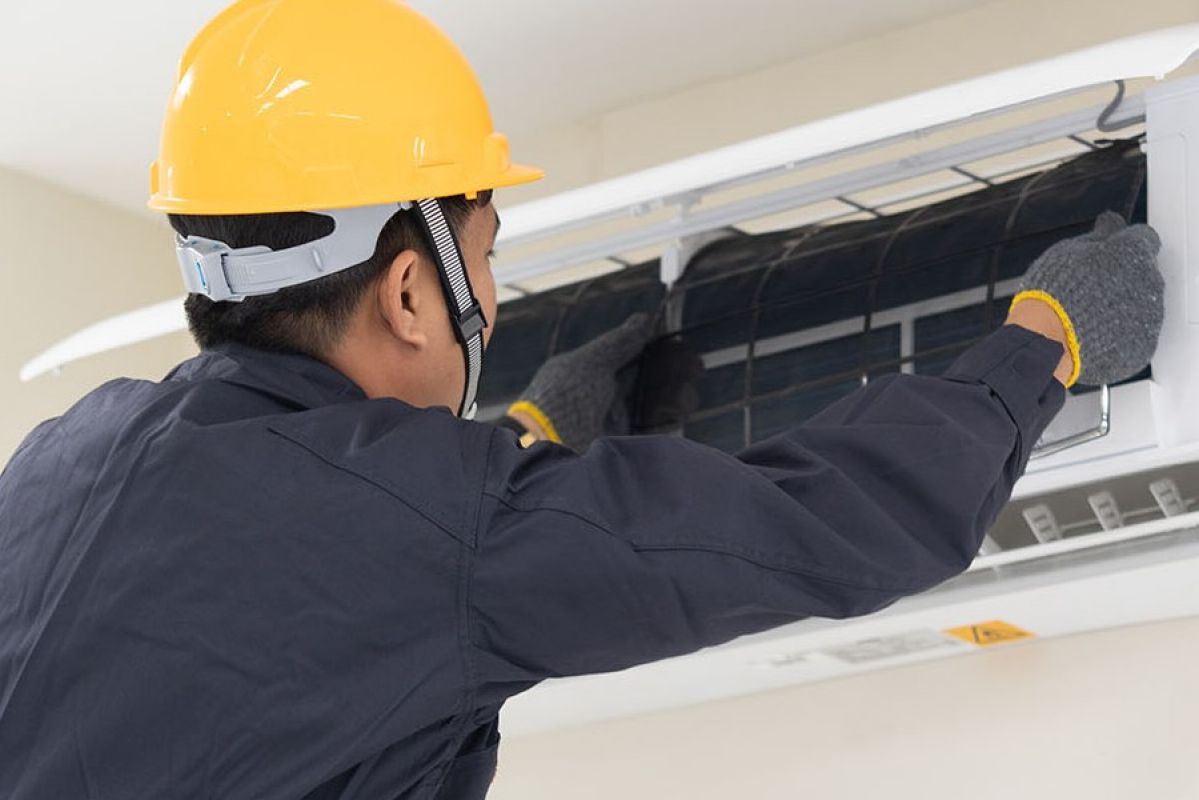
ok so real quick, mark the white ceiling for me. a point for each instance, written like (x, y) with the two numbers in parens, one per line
(83, 83)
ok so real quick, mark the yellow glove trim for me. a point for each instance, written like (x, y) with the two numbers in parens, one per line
(1071, 337)
(525, 407)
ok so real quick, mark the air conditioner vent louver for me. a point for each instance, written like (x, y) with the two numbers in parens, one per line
(1098, 506)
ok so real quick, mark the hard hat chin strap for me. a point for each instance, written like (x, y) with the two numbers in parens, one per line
(466, 315)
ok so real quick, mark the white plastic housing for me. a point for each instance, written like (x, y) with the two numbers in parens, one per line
(1172, 111)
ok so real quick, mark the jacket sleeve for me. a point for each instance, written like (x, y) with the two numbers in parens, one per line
(647, 547)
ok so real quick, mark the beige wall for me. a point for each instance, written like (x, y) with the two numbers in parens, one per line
(66, 262)
(1107, 716)
(976, 42)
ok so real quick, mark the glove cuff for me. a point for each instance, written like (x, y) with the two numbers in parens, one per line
(539, 416)
(1071, 336)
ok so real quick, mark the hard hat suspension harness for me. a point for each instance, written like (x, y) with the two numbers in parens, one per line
(222, 273)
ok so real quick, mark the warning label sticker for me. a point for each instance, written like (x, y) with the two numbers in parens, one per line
(985, 634)
(877, 649)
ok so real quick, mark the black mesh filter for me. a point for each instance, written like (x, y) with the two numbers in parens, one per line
(787, 322)
(534, 328)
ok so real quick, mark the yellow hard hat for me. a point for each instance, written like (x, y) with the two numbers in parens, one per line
(295, 105)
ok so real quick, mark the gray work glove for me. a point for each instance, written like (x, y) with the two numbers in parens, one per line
(576, 391)
(1108, 284)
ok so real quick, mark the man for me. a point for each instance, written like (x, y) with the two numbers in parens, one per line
(294, 569)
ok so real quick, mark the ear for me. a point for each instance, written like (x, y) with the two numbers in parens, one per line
(401, 300)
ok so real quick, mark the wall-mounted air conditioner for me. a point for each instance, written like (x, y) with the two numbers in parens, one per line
(787, 270)
(896, 256)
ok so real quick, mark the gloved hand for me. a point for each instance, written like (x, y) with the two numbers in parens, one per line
(573, 393)
(1109, 294)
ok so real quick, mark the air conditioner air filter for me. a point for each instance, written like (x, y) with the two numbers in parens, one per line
(787, 322)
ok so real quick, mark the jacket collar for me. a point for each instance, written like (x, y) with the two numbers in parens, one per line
(293, 378)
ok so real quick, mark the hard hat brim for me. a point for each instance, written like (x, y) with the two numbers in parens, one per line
(514, 175)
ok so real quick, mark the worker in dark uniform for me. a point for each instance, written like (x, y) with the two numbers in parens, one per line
(294, 568)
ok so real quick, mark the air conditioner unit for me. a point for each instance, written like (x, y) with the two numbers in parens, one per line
(795, 266)
(895, 257)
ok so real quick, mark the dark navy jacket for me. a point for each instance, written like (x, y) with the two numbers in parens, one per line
(250, 581)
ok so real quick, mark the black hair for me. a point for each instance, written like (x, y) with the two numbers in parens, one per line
(307, 318)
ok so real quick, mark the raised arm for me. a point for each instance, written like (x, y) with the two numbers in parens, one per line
(646, 547)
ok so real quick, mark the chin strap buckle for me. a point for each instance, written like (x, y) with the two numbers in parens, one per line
(469, 323)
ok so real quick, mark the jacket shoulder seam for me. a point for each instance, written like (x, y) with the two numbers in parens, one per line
(364, 476)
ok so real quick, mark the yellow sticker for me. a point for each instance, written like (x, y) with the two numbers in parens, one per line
(985, 634)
